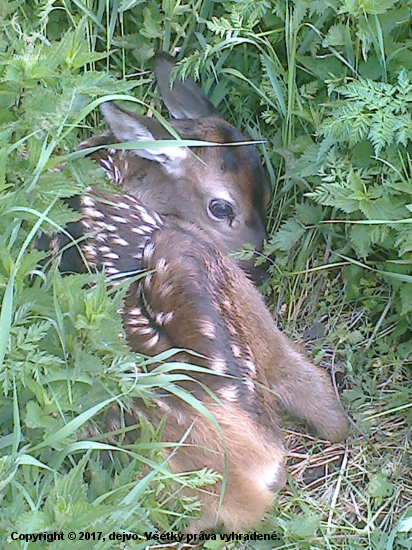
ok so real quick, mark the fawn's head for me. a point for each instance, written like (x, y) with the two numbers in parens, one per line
(222, 188)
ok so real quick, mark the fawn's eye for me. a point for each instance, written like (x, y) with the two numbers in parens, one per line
(221, 210)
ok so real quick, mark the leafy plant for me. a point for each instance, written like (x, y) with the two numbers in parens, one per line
(327, 84)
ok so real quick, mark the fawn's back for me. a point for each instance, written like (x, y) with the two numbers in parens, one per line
(195, 298)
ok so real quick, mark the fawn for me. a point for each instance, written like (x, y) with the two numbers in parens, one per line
(195, 298)
(223, 189)
(185, 210)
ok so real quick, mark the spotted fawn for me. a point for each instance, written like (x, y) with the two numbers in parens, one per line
(186, 208)
(195, 298)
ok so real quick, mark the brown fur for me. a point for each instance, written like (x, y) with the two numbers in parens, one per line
(205, 283)
(244, 446)
(197, 299)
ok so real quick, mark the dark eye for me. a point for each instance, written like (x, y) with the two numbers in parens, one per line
(221, 209)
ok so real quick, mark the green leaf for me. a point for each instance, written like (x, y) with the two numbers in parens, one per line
(303, 526)
(335, 36)
(37, 418)
(380, 487)
(34, 522)
(406, 298)
(405, 525)
(286, 237)
(309, 214)
(151, 24)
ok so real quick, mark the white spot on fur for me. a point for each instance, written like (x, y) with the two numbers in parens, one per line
(118, 219)
(148, 280)
(229, 393)
(144, 330)
(138, 206)
(117, 175)
(218, 364)
(207, 328)
(141, 321)
(236, 351)
(168, 317)
(269, 476)
(164, 318)
(88, 201)
(153, 341)
(106, 163)
(101, 237)
(161, 265)
(120, 241)
(148, 229)
(152, 219)
(148, 252)
(112, 256)
(250, 365)
(227, 303)
(148, 219)
(138, 231)
(90, 250)
(93, 213)
(159, 318)
(166, 290)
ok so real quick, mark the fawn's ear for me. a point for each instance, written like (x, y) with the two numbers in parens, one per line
(129, 127)
(184, 99)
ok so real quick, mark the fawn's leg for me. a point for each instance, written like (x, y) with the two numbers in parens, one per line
(254, 458)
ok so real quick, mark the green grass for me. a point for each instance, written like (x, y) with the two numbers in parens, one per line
(328, 86)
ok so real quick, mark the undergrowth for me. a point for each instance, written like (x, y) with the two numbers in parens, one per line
(328, 86)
